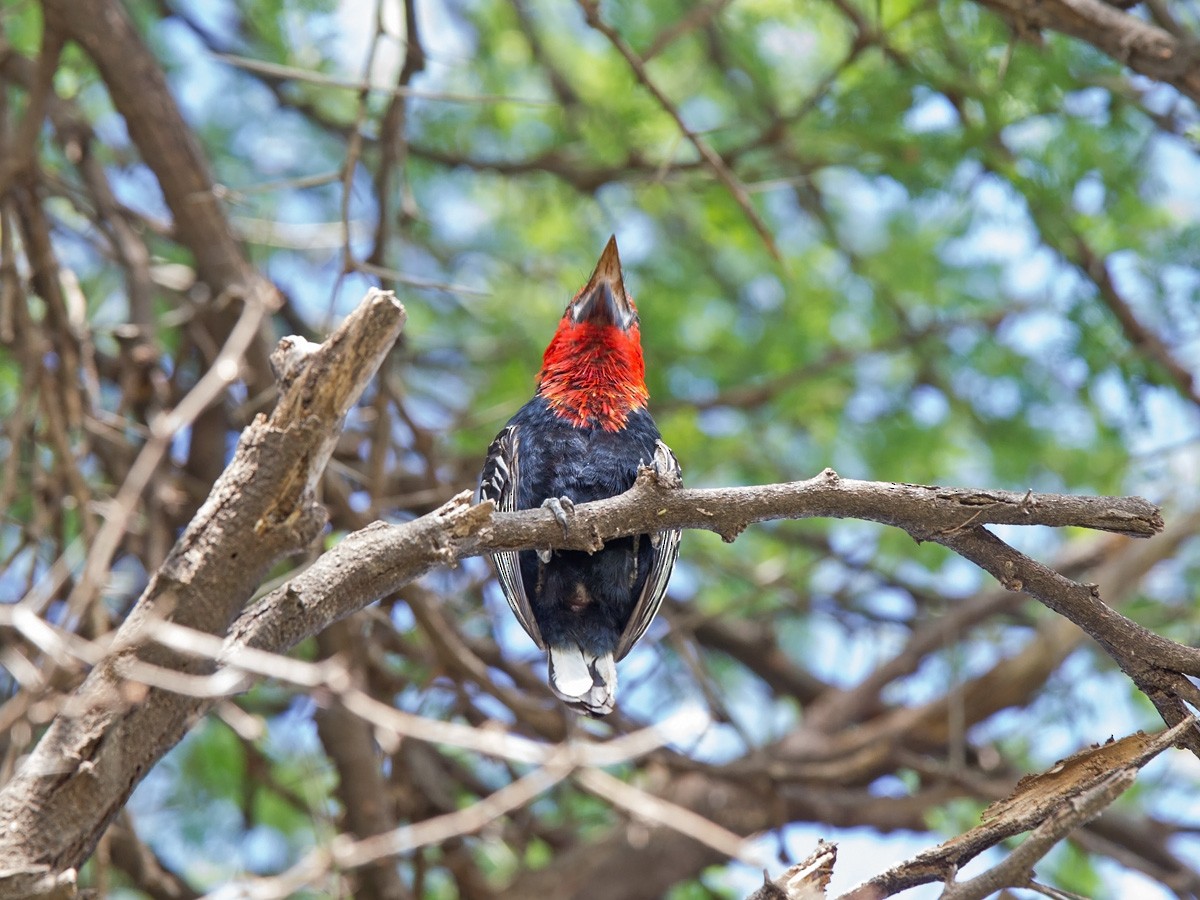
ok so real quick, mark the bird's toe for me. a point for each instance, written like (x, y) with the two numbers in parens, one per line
(563, 508)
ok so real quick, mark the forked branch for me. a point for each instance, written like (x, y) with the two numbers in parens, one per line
(264, 506)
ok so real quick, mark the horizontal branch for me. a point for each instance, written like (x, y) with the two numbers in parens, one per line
(378, 560)
(457, 531)
(381, 558)
(925, 512)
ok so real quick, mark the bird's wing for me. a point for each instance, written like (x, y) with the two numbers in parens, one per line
(666, 546)
(498, 483)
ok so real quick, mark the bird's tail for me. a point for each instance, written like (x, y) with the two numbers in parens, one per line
(584, 682)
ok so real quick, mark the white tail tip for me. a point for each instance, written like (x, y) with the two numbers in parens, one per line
(582, 681)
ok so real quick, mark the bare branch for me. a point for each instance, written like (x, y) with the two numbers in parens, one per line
(1157, 665)
(1068, 795)
(737, 190)
(663, 812)
(927, 513)
(82, 771)
(806, 880)
(1017, 869)
(1142, 46)
(292, 73)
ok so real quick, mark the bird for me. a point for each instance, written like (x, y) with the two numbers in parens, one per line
(584, 436)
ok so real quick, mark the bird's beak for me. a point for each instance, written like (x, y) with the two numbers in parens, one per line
(603, 300)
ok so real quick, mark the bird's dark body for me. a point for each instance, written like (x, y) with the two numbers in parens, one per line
(583, 437)
(579, 597)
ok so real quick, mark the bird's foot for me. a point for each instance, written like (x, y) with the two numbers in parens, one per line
(665, 466)
(563, 508)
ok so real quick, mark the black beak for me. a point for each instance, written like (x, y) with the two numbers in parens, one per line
(603, 300)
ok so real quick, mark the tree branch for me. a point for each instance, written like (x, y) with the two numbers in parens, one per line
(139, 91)
(263, 506)
(1157, 665)
(928, 513)
(1144, 47)
(1071, 793)
(381, 558)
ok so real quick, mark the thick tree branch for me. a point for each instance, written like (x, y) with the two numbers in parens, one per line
(1144, 47)
(381, 558)
(140, 92)
(1071, 793)
(82, 771)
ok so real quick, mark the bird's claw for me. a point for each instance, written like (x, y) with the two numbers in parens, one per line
(563, 508)
(665, 466)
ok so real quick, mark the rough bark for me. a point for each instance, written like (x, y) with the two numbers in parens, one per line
(1144, 47)
(112, 731)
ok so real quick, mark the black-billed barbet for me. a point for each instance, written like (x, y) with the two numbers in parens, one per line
(583, 437)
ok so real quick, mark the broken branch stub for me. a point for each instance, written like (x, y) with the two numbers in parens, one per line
(262, 507)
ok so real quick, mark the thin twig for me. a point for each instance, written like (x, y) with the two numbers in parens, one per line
(277, 70)
(663, 812)
(591, 10)
(164, 429)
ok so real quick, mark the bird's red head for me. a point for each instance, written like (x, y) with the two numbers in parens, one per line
(593, 374)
